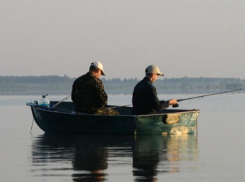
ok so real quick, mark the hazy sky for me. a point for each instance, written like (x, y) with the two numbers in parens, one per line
(193, 38)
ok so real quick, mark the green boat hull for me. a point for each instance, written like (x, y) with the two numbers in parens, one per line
(63, 119)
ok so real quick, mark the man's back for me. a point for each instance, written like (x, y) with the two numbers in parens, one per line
(88, 93)
(145, 100)
(144, 97)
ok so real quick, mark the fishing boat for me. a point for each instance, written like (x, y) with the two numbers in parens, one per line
(64, 119)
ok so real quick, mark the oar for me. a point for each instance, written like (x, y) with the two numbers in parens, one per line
(60, 101)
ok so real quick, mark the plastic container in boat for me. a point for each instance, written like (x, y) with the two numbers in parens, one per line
(44, 101)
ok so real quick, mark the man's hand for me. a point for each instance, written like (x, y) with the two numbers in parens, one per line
(173, 102)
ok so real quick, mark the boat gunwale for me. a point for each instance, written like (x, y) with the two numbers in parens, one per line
(47, 109)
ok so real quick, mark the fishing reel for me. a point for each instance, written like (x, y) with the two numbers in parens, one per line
(175, 105)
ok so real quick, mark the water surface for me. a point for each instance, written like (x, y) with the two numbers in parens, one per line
(216, 153)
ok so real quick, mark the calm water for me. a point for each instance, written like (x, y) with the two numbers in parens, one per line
(215, 154)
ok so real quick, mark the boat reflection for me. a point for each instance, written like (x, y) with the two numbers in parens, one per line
(91, 158)
(155, 155)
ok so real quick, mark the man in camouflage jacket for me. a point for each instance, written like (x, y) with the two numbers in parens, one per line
(88, 92)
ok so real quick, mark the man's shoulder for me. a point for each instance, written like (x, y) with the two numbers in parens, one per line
(145, 82)
(90, 78)
(85, 77)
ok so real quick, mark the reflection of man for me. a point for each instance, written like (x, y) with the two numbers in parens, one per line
(146, 152)
(88, 92)
(90, 156)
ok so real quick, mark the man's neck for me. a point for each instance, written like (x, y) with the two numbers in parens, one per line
(94, 73)
(149, 77)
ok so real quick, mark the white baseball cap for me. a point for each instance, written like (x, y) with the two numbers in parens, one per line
(98, 65)
(153, 69)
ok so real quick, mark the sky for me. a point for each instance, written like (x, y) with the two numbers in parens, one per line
(193, 38)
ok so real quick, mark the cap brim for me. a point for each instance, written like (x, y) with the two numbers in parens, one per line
(102, 73)
(160, 74)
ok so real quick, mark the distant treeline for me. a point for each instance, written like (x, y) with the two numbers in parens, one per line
(33, 85)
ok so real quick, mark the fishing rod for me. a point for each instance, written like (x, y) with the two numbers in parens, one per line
(60, 101)
(179, 100)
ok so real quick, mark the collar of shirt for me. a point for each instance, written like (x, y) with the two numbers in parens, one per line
(91, 74)
(147, 79)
